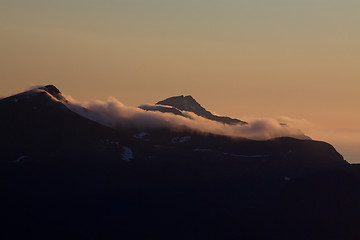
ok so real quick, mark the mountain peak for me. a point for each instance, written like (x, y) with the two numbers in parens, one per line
(189, 97)
(47, 92)
(53, 91)
(184, 103)
(188, 103)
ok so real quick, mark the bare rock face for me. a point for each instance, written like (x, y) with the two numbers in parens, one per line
(52, 90)
(188, 103)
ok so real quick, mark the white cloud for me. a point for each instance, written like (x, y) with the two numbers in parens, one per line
(114, 114)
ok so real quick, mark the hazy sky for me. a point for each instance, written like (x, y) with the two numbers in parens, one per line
(258, 58)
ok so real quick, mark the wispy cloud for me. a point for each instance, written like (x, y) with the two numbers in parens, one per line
(114, 114)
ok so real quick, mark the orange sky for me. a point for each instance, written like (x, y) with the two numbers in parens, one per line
(296, 58)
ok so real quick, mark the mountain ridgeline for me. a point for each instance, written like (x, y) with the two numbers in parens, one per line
(188, 103)
(65, 176)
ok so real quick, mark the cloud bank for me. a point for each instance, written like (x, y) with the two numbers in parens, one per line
(116, 115)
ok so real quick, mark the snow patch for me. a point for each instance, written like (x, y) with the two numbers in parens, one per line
(181, 139)
(109, 142)
(128, 154)
(106, 141)
(18, 159)
(141, 135)
(28, 94)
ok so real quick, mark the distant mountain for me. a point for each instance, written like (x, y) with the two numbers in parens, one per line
(188, 103)
(65, 176)
(40, 119)
(163, 109)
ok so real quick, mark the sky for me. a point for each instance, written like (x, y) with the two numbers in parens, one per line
(246, 59)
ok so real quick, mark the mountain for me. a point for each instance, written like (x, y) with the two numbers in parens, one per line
(188, 103)
(66, 176)
(163, 109)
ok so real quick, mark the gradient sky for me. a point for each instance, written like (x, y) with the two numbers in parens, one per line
(258, 58)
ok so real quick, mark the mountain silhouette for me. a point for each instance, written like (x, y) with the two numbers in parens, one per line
(66, 176)
(188, 103)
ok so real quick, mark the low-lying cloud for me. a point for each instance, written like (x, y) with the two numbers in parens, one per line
(116, 115)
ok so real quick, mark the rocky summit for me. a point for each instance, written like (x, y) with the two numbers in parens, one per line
(188, 103)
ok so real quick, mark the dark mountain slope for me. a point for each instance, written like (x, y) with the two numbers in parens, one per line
(79, 179)
(37, 122)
